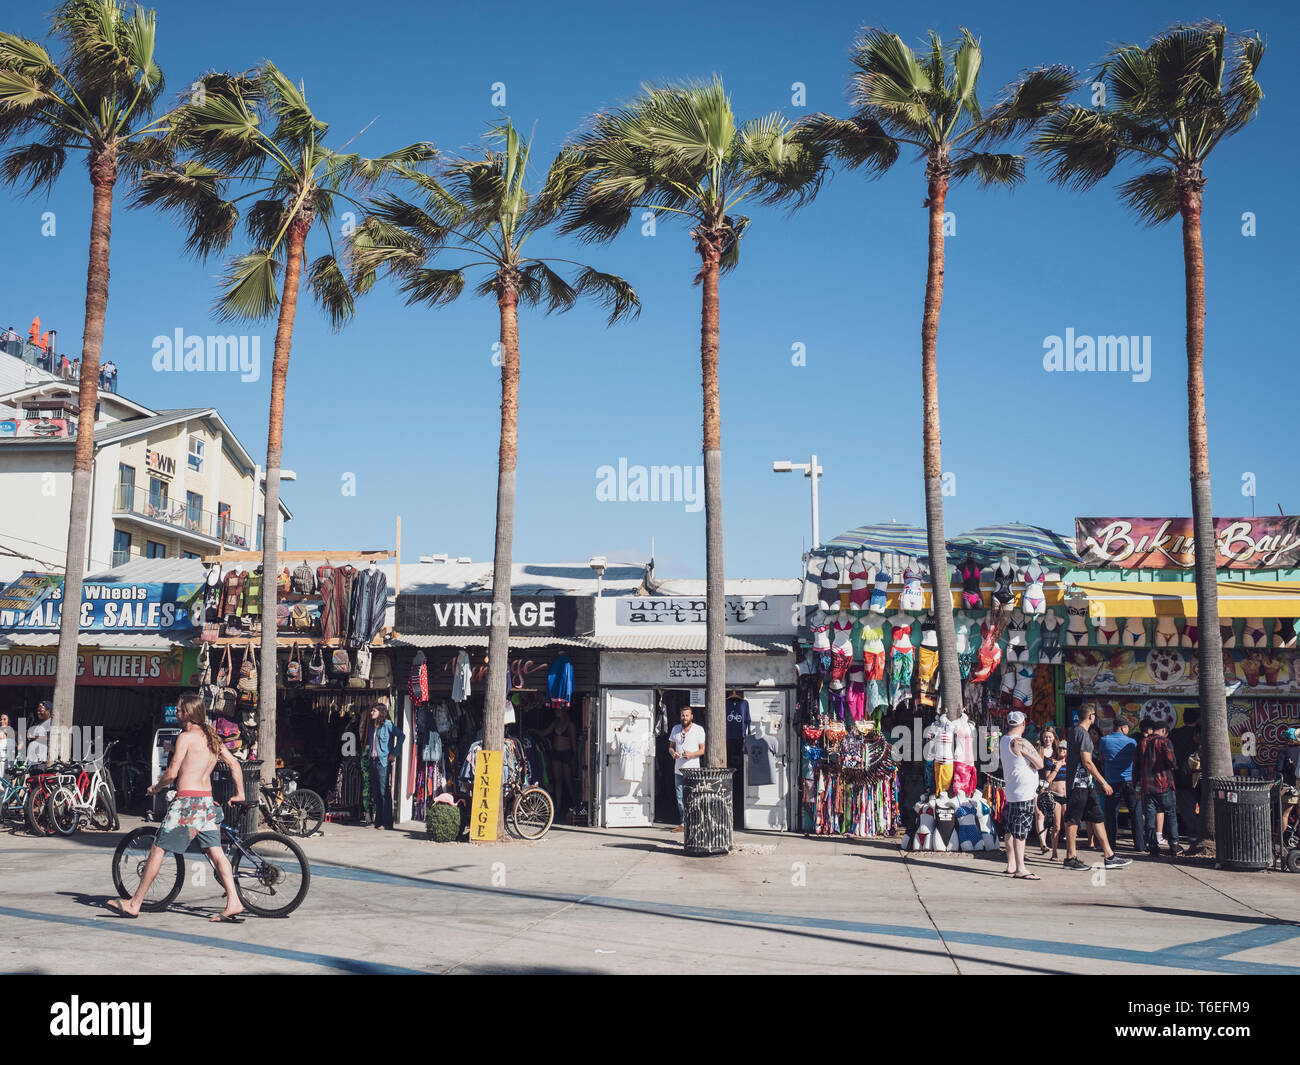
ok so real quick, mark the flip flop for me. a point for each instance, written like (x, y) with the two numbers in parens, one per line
(108, 905)
(1027, 876)
(222, 918)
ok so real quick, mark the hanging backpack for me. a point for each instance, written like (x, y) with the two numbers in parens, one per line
(316, 669)
(248, 670)
(363, 663)
(301, 617)
(304, 583)
(293, 668)
(339, 661)
(223, 671)
(229, 732)
(381, 671)
(284, 582)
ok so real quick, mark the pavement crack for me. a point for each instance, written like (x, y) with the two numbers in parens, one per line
(930, 917)
(1245, 905)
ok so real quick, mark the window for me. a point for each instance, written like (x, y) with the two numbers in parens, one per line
(158, 497)
(196, 454)
(194, 511)
(154, 550)
(188, 554)
(261, 523)
(125, 486)
(121, 547)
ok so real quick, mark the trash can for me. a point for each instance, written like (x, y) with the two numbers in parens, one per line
(706, 798)
(1243, 828)
(223, 787)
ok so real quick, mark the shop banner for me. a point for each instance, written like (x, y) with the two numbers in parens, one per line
(662, 611)
(487, 796)
(1167, 543)
(1172, 670)
(113, 669)
(464, 615)
(115, 606)
(27, 591)
(32, 428)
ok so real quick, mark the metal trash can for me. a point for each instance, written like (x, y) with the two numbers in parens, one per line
(706, 798)
(1243, 829)
(223, 787)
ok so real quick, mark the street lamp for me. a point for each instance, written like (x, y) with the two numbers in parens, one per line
(812, 471)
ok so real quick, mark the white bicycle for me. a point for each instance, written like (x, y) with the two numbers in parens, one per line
(85, 795)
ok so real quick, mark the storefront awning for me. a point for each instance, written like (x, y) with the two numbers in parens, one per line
(1152, 599)
(108, 641)
(639, 642)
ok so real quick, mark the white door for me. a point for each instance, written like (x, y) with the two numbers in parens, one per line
(766, 804)
(627, 773)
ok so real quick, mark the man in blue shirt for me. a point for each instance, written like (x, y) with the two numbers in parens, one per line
(385, 746)
(1117, 750)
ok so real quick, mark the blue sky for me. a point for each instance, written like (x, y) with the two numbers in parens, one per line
(406, 399)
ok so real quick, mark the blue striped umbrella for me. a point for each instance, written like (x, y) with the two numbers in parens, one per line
(989, 541)
(887, 537)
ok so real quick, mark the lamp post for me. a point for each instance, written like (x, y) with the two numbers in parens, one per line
(812, 471)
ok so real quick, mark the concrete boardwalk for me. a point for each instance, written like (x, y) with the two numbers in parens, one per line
(628, 901)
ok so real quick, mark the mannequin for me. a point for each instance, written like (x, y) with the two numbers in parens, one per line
(630, 743)
(857, 697)
(1049, 639)
(1007, 686)
(859, 588)
(970, 582)
(873, 658)
(830, 594)
(1034, 599)
(927, 660)
(841, 649)
(1003, 596)
(944, 743)
(902, 659)
(963, 755)
(1166, 632)
(1283, 632)
(1107, 631)
(929, 631)
(1022, 693)
(819, 626)
(1253, 634)
(1017, 644)
(879, 592)
(1076, 609)
(963, 625)
(910, 597)
(1135, 633)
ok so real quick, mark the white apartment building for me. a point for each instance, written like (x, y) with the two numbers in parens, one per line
(166, 483)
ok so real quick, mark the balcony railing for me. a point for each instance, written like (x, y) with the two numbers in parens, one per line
(59, 365)
(120, 558)
(137, 500)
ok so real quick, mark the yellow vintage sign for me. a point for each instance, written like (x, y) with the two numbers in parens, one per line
(486, 811)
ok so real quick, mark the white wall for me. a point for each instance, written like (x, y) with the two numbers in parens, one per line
(685, 669)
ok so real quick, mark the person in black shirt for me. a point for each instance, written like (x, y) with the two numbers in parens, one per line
(1186, 740)
(1083, 778)
(1288, 769)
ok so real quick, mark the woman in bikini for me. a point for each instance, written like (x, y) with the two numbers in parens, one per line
(192, 814)
(1053, 773)
(564, 739)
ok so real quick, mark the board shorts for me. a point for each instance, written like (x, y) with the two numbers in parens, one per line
(1083, 806)
(1020, 816)
(191, 816)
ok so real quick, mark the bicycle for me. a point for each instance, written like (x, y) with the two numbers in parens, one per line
(85, 794)
(13, 793)
(299, 812)
(532, 810)
(271, 871)
(41, 780)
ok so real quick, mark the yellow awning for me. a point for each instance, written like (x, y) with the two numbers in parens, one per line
(1153, 599)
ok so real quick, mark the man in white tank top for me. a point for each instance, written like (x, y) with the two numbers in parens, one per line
(1020, 766)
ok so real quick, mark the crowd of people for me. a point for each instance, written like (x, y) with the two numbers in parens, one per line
(42, 347)
(1074, 788)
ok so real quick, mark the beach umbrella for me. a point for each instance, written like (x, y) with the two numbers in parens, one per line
(887, 537)
(989, 541)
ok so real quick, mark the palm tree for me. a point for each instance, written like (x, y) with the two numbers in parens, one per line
(678, 149)
(929, 103)
(258, 131)
(99, 99)
(479, 210)
(1167, 107)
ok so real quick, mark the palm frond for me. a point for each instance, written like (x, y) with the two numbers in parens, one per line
(248, 288)
(541, 282)
(612, 292)
(432, 286)
(1036, 95)
(192, 191)
(858, 141)
(331, 289)
(1152, 195)
(1081, 146)
(891, 80)
(736, 227)
(33, 167)
(990, 168)
(1244, 94)
(295, 123)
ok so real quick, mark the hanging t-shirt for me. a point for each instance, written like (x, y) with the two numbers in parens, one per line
(631, 757)
(460, 679)
(760, 761)
(737, 718)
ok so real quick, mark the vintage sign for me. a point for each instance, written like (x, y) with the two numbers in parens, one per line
(660, 610)
(473, 615)
(117, 669)
(33, 428)
(114, 606)
(1173, 670)
(486, 812)
(1168, 543)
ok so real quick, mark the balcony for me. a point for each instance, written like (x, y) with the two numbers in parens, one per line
(191, 521)
(58, 365)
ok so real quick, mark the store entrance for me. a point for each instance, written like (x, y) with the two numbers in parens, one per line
(671, 701)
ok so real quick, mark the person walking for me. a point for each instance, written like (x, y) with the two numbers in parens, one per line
(193, 814)
(1186, 743)
(1020, 765)
(1118, 751)
(1085, 780)
(686, 745)
(385, 745)
(1158, 762)
(1051, 800)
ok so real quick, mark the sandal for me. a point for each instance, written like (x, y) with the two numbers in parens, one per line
(1027, 876)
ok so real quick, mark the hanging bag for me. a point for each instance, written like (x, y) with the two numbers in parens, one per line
(248, 670)
(223, 671)
(304, 583)
(339, 662)
(316, 669)
(293, 668)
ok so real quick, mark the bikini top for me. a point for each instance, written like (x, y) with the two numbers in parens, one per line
(882, 580)
(873, 635)
(843, 626)
(970, 575)
(1019, 629)
(911, 580)
(1035, 577)
(1003, 579)
(902, 635)
(1077, 611)
(929, 624)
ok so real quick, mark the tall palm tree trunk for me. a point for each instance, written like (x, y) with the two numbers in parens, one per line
(715, 658)
(266, 703)
(940, 583)
(494, 704)
(103, 177)
(1216, 753)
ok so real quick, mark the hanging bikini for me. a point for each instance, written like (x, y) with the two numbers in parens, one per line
(1033, 597)
(928, 661)
(860, 588)
(879, 592)
(841, 654)
(970, 582)
(902, 662)
(821, 645)
(1049, 641)
(1017, 642)
(830, 593)
(873, 662)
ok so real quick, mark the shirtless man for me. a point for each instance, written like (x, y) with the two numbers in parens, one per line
(193, 813)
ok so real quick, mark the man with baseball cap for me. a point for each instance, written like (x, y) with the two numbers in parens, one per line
(1084, 779)
(1020, 766)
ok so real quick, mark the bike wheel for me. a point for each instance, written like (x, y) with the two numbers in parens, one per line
(61, 811)
(309, 811)
(34, 812)
(533, 813)
(273, 877)
(105, 816)
(129, 860)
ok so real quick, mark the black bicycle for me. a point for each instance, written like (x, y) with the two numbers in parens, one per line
(272, 874)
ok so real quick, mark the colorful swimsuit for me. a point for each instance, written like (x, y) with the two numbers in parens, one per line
(830, 597)
(902, 660)
(857, 698)
(970, 582)
(860, 588)
(878, 593)
(841, 654)
(192, 815)
(910, 597)
(1033, 596)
